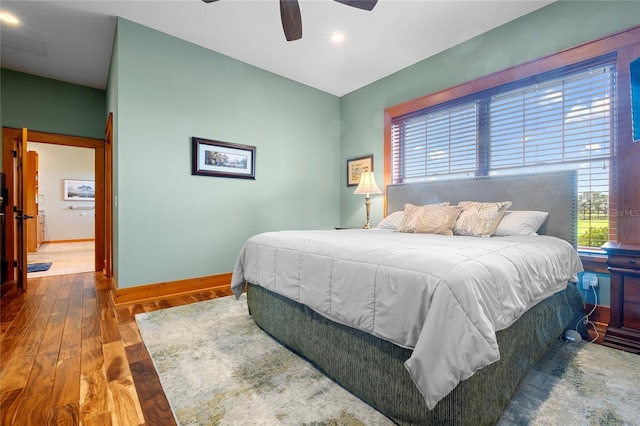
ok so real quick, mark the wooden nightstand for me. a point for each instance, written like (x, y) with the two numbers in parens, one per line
(624, 327)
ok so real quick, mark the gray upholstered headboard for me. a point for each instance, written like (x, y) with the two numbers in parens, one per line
(556, 193)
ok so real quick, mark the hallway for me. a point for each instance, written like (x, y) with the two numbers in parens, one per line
(66, 258)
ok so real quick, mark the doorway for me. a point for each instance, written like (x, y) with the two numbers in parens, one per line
(98, 145)
(61, 237)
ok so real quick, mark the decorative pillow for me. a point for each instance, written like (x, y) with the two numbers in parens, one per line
(479, 219)
(520, 222)
(411, 214)
(437, 220)
(392, 221)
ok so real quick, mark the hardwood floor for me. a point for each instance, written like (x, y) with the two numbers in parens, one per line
(68, 357)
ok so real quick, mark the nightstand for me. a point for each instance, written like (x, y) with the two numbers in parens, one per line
(624, 327)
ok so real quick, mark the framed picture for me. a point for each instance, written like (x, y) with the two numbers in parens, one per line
(223, 159)
(79, 190)
(357, 166)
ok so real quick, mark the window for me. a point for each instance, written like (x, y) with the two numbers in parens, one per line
(563, 123)
(436, 143)
(557, 120)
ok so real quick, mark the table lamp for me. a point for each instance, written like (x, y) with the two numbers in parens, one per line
(367, 186)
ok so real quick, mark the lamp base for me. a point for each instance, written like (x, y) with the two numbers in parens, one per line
(367, 203)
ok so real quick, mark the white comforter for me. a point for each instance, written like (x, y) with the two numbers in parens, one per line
(442, 296)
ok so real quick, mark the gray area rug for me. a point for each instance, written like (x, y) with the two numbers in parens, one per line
(218, 368)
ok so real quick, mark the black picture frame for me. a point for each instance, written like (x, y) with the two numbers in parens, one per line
(223, 159)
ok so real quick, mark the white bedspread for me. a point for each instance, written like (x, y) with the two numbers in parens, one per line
(442, 296)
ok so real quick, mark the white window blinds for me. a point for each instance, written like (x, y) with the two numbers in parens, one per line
(565, 123)
(558, 121)
(438, 143)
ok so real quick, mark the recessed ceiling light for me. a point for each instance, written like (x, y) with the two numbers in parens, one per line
(337, 37)
(8, 18)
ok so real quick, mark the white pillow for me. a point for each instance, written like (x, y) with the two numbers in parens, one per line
(520, 222)
(392, 221)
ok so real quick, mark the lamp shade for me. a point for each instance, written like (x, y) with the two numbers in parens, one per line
(367, 184)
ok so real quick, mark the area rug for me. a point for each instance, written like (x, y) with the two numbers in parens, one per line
(38, 267)
(218, 368)
(578, 384)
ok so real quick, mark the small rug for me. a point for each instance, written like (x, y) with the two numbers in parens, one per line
(218, 368)
(38, 267)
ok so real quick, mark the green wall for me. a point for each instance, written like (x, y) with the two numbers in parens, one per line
(561, 25)
(172, 225)
(51, 106)
(602, 291)
(112, 107)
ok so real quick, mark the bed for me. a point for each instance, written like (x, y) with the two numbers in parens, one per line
(394, 361)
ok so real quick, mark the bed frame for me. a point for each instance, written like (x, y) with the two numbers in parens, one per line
(373, 369)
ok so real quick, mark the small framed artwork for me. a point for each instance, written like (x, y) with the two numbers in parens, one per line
(79, 190)
(357, 166)
(223, 159)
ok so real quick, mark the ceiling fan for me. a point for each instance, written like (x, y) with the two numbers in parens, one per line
(292, 21)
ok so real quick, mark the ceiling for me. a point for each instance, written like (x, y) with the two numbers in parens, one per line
(72, 40)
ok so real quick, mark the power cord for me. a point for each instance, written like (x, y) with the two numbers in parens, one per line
(585, 319)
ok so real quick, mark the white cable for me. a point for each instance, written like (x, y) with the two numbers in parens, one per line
(585, 319)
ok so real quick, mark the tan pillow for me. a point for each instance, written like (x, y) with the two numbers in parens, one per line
(411, 214)
(437, 220)
(479, 219)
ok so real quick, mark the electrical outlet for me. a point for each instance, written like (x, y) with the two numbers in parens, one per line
(589, 280)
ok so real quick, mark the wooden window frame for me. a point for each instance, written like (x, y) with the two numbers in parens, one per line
(626, 47)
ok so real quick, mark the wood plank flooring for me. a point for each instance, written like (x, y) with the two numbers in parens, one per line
(68, 357)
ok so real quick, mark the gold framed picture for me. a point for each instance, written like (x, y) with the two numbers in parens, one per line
(357, 166)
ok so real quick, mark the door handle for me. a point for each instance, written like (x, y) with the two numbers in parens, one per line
(24, 216)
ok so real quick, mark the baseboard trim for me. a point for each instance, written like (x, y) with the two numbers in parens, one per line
(600, 319)
(82, 240)
(126, 296)
(602, 314)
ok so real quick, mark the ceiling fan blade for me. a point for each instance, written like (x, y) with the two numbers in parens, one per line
(360, 4)
(291, 19)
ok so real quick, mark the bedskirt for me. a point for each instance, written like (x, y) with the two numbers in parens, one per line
(373, 369)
